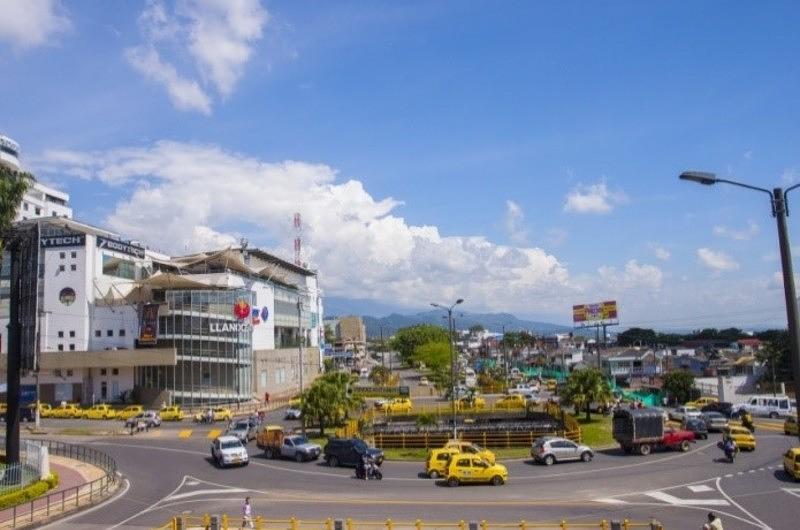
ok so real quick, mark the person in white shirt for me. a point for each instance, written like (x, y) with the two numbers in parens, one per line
(247, 514)
(714, 523)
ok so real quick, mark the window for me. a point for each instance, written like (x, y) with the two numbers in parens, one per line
(98, 333)
(74, 254)
(38, 211)
(60, 334)
(122, 333)
(109, 333)
(119, 267)
(25, 206)
(60, 347)
(263, 378)
(57, 373)
(71, 347)
(62, 255)
(72, 333)
(73, 267)
(115, 371)
(61, 268)
(463, 462)
(103, 371)
(69, 373)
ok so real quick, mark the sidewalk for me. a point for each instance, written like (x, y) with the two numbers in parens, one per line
(74, 478)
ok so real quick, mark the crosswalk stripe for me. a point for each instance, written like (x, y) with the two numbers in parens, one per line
(185, 433)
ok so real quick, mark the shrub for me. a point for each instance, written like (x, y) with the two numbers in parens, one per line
(29, 493)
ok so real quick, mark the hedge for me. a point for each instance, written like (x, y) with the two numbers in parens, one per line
(29, 493)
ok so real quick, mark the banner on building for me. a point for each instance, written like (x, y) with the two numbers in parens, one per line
(594, 314)
(148, 331)
(119, 246)
(63, 240)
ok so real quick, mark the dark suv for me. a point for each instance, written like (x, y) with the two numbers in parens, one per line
(349, 452)
(723, 407)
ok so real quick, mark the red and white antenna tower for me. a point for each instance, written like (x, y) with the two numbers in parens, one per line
(298, 240)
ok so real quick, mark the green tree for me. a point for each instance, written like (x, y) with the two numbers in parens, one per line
(330, 334)
(679, 385)
(585, 387)
(329, 400)
(476, 328)
(380, 375)
(634, 336)
(406, 340)
(13, 185)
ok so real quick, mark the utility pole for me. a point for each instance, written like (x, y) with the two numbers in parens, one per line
(505, 357)
(14, 364)
(383, 350)
(300, 357)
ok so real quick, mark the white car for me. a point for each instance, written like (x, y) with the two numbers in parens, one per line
(684, 413)
(423, 381)
(229, 451)
(293, 413)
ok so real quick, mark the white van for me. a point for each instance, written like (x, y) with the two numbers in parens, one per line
(771, 406)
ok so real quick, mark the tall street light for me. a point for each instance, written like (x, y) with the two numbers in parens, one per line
(780, 211)
(452, 358)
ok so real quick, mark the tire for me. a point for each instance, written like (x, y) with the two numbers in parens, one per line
(497, 480)
(298, 457)
(586, 456)
(644, 449)
(452, 482)
(549, 460)
(684, 447)
(433, 474)
(377, 475)
(333, 461)
(773, 415)
(269, 453)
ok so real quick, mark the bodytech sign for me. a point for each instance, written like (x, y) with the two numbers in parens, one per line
(119, 246)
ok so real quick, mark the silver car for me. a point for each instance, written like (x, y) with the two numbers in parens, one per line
(550, 449)
(714, 421)
(244, 430)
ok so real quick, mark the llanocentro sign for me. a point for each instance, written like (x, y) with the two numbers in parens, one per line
(247, 318)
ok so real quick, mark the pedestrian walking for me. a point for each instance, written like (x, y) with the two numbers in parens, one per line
(247, 514)
(714, 523)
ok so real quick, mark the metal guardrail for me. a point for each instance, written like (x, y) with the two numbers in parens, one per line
(223, 522)
(68, 499)
(502, 439)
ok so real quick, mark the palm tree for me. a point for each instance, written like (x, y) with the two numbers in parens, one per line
(330, 399)
(585, 387)
(13, 185)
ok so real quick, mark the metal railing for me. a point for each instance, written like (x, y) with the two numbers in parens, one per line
(68, 499)
(225, 522)
(27, 471)
(499, 439)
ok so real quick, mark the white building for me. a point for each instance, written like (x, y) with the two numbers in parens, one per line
(118, 321)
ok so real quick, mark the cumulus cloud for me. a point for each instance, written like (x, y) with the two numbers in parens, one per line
(187, 196)
(593, 198)
(741, 235)
(32, 23)
(660, 252)
(632, 277)
(217, 35)
(716, 260)
(515, 223)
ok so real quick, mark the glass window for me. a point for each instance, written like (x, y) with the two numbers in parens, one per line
(263, 378)
(69, 373)
(463, 462)
(60, 347)
(25, 206)
(61, 268)
(38, 211)
(73, 267)
(62, 255)
(122, 333)
(60, 334)
(98, 333)
(119, 267)
(74, 254)
(103, 371)
(115, 371)
(72, 333)
(109, 333)
(71, 347)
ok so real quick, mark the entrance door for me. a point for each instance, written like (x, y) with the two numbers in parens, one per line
(103, 391)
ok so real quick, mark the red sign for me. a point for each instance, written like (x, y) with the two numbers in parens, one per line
(241, 310)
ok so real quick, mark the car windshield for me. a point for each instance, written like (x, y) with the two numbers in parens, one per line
(360, 446)
(242, 426)
(231, 444)
(299, 440)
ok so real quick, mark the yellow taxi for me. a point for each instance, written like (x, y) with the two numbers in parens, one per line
(702, 402)
(471, 449)
(476, 403)
(551, 385)
(744, 439)
(173, 413)
(791, 463)
(512, 401)
(790, 426)
(472, 469)
(102, 411)
(129, 412)
(397, 405)
(438, 460)
(220, 414)
(45, 410)
(67, 410)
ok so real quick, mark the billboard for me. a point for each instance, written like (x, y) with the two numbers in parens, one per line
(148, 331)
(588, 314)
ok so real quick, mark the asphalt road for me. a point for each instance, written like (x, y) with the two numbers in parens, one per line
(168, 475)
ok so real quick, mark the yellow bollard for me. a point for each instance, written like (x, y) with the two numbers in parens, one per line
(484, 525)
(462, 525)
(174, 523)
(418, 524)
(389, 524)
(625, 525)
(224, 521)
(260, 523)
(348, 524)
(206, 520)
(563, 525)
(603, 525)
(293, 523)
(328, 524)
(522, 525)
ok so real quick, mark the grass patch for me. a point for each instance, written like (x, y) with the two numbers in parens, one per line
(597, 432)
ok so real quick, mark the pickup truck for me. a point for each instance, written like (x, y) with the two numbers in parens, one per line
(276, 444)
(642, 430)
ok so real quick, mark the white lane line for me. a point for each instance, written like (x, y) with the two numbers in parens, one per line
(752, 471)
(675, 501)
(761, 469)
(152, 506)
(741, 508)
(729, 475)
(204, 492)
(60, 522)
(740, 473)
(609, 500)
(792, 491)
(701, 488)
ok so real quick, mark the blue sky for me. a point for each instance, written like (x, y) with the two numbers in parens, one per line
(522, 155)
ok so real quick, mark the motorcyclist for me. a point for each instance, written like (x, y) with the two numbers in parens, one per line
(730, 448)
(747, 421)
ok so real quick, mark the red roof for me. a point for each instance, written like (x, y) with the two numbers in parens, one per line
(749, 342)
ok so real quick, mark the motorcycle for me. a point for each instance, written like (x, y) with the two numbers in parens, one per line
(730, 452)
(368, 470)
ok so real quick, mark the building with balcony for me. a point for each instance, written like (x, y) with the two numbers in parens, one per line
(629, 364)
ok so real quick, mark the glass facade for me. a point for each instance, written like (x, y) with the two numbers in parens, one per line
(214, 348)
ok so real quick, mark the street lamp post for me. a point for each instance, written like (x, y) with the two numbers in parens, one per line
(780, 211)
(452, 358)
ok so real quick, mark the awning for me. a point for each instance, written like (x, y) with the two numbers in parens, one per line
(170, 280)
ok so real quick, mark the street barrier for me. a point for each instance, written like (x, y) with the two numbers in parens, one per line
(69, 499)
(501, 439)
(209, 522)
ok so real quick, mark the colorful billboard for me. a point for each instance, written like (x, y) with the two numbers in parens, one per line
(595, 313)
(148, 332)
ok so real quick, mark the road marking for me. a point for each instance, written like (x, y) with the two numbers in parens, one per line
(792, 491)
(185, 433)
(204, 492)
(753, 517)
(701, 488)
(729, 475)
(675, 501)
(213, 433)
(740, 473)
(610, 500)
(193, 483)
(751, 471)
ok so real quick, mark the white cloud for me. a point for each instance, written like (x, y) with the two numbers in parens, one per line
(186, 198)
(218, 36)
(742, 235)
(593, 198)
(716, 260)
(515, 223)
(789, 176)
(660, 252)
(32, 23)
(634, 276)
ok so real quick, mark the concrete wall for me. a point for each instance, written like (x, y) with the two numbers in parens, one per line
(276, 371)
